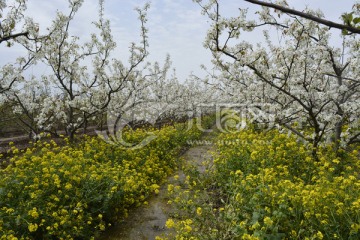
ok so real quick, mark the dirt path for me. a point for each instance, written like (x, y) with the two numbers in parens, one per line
(148, 221)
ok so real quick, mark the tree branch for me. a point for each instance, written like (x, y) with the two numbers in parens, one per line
(13, 36)
(307, 16)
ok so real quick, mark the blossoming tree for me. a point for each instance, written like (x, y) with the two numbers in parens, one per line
(15, 27)
(85, 81)
(300, 81)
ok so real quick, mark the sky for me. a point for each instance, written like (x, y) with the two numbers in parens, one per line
(176, 27)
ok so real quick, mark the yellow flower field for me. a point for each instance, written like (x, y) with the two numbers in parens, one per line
(265, 185)
(75, 191)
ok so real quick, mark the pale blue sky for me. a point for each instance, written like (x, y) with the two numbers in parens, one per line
(176, 27)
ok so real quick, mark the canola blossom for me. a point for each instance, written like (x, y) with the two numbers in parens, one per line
(269, 187)
(77, 190)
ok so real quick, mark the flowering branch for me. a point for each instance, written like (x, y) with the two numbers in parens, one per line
(307, 16)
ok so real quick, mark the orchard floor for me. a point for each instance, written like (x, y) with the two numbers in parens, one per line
(148, 221)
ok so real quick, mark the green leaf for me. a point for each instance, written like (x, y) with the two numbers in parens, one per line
(356, 20)
(351, 16)
(347, 18)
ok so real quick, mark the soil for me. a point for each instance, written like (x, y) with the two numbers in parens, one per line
(148, 221)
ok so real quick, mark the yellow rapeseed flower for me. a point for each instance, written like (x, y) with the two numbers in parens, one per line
(32, 227)
(319, 235)
(268, 221)
(34, 213)
(68, 186)
(170, 223)
(199, 211)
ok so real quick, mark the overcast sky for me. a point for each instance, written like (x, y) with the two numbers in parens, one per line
(176, 26)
